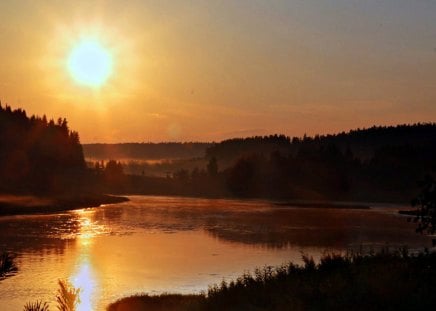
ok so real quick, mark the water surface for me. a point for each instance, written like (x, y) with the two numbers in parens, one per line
(171, 244)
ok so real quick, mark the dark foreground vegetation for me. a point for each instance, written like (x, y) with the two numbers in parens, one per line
(382, 281)
(67, 298)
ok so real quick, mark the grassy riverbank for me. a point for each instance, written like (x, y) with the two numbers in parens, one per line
(18, 205)
(383, 281)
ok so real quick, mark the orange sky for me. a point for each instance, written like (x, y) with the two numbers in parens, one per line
(209, 70)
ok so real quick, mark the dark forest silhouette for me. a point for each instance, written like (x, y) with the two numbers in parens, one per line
(375, 164)
(41, 156)
(379, 163)
(42, 167)
(38, 155)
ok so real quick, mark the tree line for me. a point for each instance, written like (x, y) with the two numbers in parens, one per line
(38, 155)
(379, 163)
(375, 164)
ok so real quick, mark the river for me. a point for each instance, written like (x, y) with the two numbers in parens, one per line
(178, 245)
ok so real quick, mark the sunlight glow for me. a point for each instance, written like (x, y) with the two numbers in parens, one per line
(88, 228)
(90, 63)
(85, 281)
(84, 277)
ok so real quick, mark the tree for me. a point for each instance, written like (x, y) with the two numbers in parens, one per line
(212, 167)
(113, 170)
(426, 204)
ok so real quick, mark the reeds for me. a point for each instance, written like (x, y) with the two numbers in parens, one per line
(36, 306)
(67, 299)
(353, 281)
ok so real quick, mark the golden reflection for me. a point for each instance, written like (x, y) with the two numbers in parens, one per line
(88, 228)
(84, 277)
(86, 282)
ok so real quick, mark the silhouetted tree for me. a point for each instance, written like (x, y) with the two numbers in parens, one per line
(242, 177)
(113, 171)
(181, 175)
(212, 167)
(38, 156)
(426, 204)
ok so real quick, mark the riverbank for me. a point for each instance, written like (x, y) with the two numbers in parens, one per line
(323, 204)
(19, 205)
(384, 281)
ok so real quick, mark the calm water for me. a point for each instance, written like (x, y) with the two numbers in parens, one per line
(167, 244)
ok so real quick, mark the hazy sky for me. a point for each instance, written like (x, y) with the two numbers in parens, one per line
(209, 70)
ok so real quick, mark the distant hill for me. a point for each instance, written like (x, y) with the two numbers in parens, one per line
(145, 151)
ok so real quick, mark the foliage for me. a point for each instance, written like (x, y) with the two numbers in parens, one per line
(375, 164)
(36, 306)
(393, 281)
(37, 155)
(164, 302)
(212, 167)
(377, 281)
(426, 204)
(362, 142)
(67, 297)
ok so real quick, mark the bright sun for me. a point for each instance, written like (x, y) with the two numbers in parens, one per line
(90, 63)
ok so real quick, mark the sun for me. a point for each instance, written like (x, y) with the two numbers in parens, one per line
(90, 63)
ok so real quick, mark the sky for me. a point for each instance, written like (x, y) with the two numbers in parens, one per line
(211, 70)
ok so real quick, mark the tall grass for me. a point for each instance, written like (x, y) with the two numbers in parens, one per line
(36, 306)
(382, 281)
(67, 299)
(392, 281)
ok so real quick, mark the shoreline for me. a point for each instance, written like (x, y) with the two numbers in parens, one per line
(323, 204)
(11, 205)
(312, 286)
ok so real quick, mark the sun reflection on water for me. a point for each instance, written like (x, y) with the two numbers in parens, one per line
(84, 277)
(88, 228)
(86, 282)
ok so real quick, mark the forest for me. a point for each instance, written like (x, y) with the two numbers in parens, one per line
(37, 155)
(40, 156)
(376, 164)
